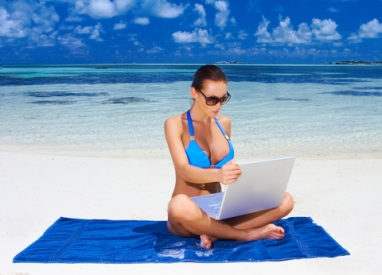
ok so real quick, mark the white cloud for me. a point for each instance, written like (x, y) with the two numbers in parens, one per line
(371, 29)
(197, 36)
(44, 19)
(354, 38)
(221, 16)
(338, 44)
(84, 30)
(134, 40)
(119, 26)
(100, 8)
(236, 50)
(285, 33)
(228, 35)
(332, 10)
(96, 8)
(123, 5)
(34, 21)
(319, 30)
(201, 21)
(141, 21)
(242, 35)
(161, 8)
(220, 46)
(93, 31)
(325, 30)
(95, 34)
(75, 45)
(156, 49)
(263, 36)
(10, 27)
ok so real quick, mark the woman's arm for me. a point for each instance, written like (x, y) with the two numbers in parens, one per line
(173, 133)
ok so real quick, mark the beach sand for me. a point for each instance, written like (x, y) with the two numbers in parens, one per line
(343, 195)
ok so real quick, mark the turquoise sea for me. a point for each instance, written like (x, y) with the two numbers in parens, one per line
(119, 109)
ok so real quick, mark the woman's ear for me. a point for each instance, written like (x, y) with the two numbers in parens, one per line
(193, 92)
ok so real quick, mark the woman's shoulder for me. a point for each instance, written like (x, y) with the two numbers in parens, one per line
(224, 120)
(174, 121)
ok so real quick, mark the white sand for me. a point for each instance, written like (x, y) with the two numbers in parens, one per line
(342, 195)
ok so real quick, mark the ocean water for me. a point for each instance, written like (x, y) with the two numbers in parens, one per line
(119, 110)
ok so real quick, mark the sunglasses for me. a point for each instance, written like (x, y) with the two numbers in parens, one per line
(213, 100)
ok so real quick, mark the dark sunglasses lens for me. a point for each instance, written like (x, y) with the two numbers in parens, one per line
(211, 101)
(225, 99)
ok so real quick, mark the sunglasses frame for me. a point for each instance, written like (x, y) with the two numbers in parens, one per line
(215, 99)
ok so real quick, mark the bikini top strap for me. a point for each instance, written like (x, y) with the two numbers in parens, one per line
(190, 125)
(221, 128)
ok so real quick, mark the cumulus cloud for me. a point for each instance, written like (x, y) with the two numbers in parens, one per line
(93, 31)
(197, 36)
(372, 29)
(133, 38)
(222, 15)
(75, 45)
(119, 26)
(332, 10)
(96, 8)
(201, 21)
(161, 8)
(242, 35)
(319, 30)
(156, 49)
(123, 5)
(325, 30)
(34, 21)
(141, 21)
(101, 8)
(10, 27)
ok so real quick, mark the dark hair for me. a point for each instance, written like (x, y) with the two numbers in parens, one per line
(207, 72)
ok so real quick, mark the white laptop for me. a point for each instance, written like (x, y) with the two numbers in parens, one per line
(261, 186)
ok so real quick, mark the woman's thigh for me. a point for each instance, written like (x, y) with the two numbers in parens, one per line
(180, 211)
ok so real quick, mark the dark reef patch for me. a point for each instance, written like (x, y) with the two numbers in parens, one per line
(125, 100)
(63, 94)
(354, 93)
(291, 99)
(53, 102)
(368, 88)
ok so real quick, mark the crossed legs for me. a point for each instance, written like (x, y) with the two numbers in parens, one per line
(186, 219)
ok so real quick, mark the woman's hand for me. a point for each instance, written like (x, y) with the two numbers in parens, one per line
(229, 173)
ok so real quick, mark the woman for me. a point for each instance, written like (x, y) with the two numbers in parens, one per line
(202, 153)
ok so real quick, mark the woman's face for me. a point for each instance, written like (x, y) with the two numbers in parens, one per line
(210, 89)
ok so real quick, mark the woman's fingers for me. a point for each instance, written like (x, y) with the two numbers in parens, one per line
(230, 172)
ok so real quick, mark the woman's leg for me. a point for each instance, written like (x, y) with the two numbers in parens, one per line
(186, 219)
(261, 218)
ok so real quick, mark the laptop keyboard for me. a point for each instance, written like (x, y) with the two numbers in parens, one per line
(215, 206)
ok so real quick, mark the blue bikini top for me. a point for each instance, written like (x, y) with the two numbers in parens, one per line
(196, 156)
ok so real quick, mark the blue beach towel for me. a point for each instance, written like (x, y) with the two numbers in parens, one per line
(141, 241)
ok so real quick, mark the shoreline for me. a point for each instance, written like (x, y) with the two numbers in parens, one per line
(342, 195)
(163, 153)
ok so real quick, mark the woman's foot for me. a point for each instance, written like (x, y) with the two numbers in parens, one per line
(206, 241)
(269, 231)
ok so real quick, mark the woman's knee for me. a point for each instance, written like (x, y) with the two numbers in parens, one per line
(287, 204)
(181, 208)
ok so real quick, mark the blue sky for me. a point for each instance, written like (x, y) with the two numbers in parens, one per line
(180, 31)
